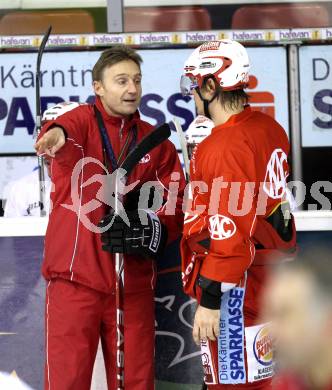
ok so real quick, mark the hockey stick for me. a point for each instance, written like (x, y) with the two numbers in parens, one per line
(149, 142)
(38, 124)
(186, 160)
(183, 144)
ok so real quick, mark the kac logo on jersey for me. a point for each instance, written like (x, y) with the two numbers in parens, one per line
(263, 346)
(145, 159)
(276, 175)
(221, 227)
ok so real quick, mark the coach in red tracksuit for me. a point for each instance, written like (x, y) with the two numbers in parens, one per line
(80, 299)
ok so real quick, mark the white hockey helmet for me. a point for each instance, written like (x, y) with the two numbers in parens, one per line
(226, 60)
(197, 131)
(61, 108)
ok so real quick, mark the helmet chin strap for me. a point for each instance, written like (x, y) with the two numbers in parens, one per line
(206, 102)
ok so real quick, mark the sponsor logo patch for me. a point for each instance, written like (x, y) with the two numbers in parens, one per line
(263, 348)
(214, 45)
(259, 352)
(155, 235)
(231, 354)
(207, 64)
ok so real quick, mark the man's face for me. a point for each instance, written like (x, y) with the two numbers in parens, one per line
(207, 92)
(120, 89)
(299, 324)
(198, 103)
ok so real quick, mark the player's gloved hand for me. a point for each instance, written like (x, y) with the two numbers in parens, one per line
(147, 240)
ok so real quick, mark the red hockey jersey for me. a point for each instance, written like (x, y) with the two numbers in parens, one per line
(72, 245)
(238, 179)
(292, 382)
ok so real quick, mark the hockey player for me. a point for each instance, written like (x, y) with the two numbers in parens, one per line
(238, 220)
(23, 197)
(80, 304)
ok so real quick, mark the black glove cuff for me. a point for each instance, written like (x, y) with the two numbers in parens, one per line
(211, 293)
(210, 301)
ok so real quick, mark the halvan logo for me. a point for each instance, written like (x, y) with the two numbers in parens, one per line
(221, 227)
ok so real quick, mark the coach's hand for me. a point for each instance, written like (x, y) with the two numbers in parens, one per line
(51, 142)
(206, 324)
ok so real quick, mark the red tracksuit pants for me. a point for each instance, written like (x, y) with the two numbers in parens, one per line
(76, 317)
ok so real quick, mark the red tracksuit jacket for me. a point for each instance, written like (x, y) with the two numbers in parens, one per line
(249, 150)
(72, 250)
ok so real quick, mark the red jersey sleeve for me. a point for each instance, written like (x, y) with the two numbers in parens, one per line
(232, 215)
(228, 199)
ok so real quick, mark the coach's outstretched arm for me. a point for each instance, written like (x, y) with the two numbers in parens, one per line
(64, 138)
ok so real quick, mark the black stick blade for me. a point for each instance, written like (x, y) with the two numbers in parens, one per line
(39, 58)
(149, 142)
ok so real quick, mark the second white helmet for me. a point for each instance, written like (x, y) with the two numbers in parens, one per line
(61, 108)
(198, 130)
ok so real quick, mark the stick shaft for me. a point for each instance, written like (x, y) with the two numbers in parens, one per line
(41, 171)
(119, 291)
(119, 296)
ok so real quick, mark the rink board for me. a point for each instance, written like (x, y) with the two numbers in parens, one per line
(67, 77)
(22, 303)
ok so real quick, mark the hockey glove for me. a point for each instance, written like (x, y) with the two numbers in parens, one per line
(146, 240)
